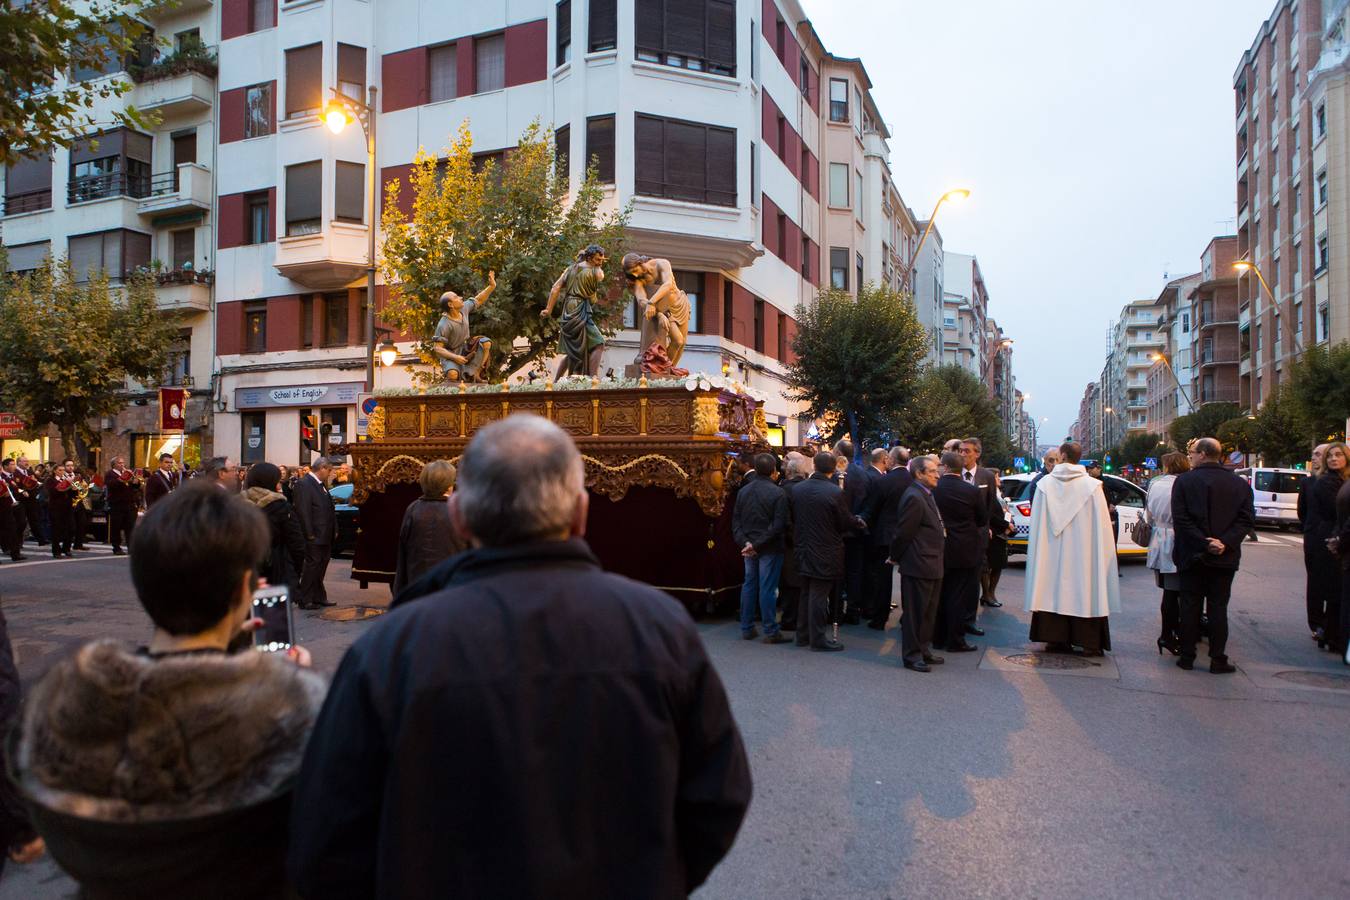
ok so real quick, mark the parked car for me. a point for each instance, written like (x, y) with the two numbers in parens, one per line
(1129, 500)
(345, 542)
(1275, 495)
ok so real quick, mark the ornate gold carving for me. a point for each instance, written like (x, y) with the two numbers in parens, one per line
(573, 416)
(375, 424)
(402, 423)
(618, 418)
(706, 418)
(422, 417)
(668, 416)
(483, 415)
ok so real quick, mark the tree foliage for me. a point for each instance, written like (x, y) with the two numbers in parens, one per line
(972, 395)
(934, 416)
(1281, 433)
(516, 220)
(1204, 422)
(41, 42)
(1138, 447)
(67, 349)
(1320, 387)
(1237, 434)
(858, 361)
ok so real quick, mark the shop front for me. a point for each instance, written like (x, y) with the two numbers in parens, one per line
(271, 420)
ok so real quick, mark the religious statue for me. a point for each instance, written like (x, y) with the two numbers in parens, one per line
(462, 357)
(580, 285)
(664, 312)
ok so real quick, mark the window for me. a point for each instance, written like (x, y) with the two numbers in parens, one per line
(112, 164)
(262, 14)
(685, 161)
(1320, 121)
(754, 53)
(304, 81)
(1244, 343)
(258, 226)
(307, 321)
(255, 327)
(442, 73)
(782, 336)
(1323, 323)
(562, 151)
(754, 175)
(27, 257)
(806, 257)
(781, 250)
(179, 366)
(1256, 332)
(781, 134)
(184, 248)
(304, 198)
(489, 57)
(780, 38)
(349, 192)
(804, 76)
(1298, 321)
(857, 102)
(604, 25)
(258, 106)
(253, 438)
(1322, 254)
(859, 261)
(1321, 189)
(28, 185)
(692, 285)
(116, 253)
(759, 325)
(562, 48)
(351, 71)
(1185, 323)
(699, 35)
(728, 313)
(1275, 277)
(858, 196)
(107, 64)
(335, 319)
(839, 185)
(838, 100)
(600, 147)
(839, 268)
(1298, 263)
(1295, 202)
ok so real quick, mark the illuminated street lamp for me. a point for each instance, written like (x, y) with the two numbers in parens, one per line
(955, 195)
(1243, 266)
(388, 351)
(1158, 357)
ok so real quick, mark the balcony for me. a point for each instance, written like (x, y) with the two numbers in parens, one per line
(1242, 165)
(1213, 319)
(1217, 395)
(183, 290)
(325, 260)
(166, 10)
(184, 190)
(102, 187)
(180, 84)
(32, 201)
(1217, 358)
(1243, 215)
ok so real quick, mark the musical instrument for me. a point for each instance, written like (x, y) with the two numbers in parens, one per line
(82, 492)
(62, 483)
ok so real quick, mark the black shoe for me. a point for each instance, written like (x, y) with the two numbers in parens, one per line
(962, 647)
(802, 642)
(918, 666)
(1057, 647)
(308, 605)
(81, 547)
(829, 645)
(934, 660)
(1186, 662)
(69, 555)
(991, 603)
(776, 638)
(1171, 644)
(745, 635)
(877, 626)
(19, 558)
(118, 551)
(975, 630)
(1221, 667)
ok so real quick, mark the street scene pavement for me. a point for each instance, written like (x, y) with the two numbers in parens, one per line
(1002, 773)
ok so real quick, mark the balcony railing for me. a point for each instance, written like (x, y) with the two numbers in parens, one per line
(32, 201)
(99, 187)
(1208, 320)
(1218, 395)
(1218, 358)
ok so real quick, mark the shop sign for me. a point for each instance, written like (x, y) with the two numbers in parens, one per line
(343, 394)
(10, 425)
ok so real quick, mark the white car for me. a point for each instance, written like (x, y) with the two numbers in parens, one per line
(1275, 494)
(1129, 500)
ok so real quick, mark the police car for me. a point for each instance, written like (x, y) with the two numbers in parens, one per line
(1129, 500)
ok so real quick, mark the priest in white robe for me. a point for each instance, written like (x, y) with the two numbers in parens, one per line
(1071, 577)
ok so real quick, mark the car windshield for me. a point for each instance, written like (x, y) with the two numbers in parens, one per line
(1279, 482)
(1014, 489)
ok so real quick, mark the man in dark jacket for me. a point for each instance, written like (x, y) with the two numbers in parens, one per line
(797, 468)
(522, 723)
(1047, 466)
(758, 524)
(820, 522)
(314, 506)
(1211, 513)
(917, 551)
(882, 516)
(965, 517)
(857, 485)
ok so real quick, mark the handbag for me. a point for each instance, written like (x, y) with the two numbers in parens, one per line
(1143, 531)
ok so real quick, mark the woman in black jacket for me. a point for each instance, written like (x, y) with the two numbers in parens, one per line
(1333, 491)
(1317, 520)
(427, 535)
(286, 548)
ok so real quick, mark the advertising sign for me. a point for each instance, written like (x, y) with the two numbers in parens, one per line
(343, 394)
(10, 425)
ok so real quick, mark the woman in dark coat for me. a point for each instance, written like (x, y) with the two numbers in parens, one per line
(286, 553)
(428, 536)
(1332, 496)
(996, 556)
(1317, 516)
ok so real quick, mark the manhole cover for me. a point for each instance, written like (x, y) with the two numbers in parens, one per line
(352, 613)
(1329, 680)
(1050, 661)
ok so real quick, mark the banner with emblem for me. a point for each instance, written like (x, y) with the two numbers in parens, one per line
(172, 410)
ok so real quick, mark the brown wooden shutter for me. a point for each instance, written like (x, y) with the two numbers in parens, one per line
(600, 146)
(722, 35)
(649, 28)
(28, 175)
(649, 159)
(564, 32)
(686, 161)
(351, 66)
(349, 193)
(304, 80)
(604, 25)
(721, 166)
(304, 192)
(685, 23)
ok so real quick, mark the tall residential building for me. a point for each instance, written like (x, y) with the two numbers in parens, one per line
(1135, 338)
(1216, 350)
(1293, 196)
(1169, 380)
(1002, 385)
(927, 287)
(122, 199)
(1087, 428)
(965, 306)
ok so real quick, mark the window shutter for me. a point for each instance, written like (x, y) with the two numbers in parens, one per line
(685, 22)
(112, 253)
(304, 192)
(686, 161)
(562, 153)
(600, 147)
(349, 192)
(490, 59)
(352, 66)
(443, 72)
(564, 32)
(136, 247)
(722, 166)
(650, 29)
(86, 255)
(604, 24)
(304, 80)
(26, 257)
(649, 156)
(28, 175)
(722, 34)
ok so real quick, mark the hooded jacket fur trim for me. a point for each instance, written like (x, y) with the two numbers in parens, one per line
(118, 736)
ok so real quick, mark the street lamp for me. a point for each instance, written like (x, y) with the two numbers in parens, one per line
(338, 113)
(955, 195)
(1158, 357)
(1243, 266)
(388, 351)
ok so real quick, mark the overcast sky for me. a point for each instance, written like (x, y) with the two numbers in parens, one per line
(1097, 140)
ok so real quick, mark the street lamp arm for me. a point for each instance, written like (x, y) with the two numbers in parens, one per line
(914, 257)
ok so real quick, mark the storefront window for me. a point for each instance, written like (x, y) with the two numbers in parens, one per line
(146, 448)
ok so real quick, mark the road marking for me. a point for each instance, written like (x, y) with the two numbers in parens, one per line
(98, 554)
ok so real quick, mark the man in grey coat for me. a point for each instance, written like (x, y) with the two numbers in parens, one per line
(820, 522)
(917, 552)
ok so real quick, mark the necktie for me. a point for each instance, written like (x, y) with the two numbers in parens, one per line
(970, 477)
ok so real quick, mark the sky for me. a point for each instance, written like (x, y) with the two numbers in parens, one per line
(1097, 140)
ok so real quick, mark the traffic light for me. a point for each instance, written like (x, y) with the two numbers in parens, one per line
(309, 427)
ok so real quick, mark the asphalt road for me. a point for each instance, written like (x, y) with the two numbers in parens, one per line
(987, 778)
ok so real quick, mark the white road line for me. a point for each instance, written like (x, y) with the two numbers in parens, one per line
(98, 554)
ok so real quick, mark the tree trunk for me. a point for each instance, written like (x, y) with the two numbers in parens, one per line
(67, 441)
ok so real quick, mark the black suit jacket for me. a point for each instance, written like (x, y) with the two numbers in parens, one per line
(315, 508)
(820, 522)
(158, 486)
(1210, 501)
(918, 545)
(966, 517)
(883, 505)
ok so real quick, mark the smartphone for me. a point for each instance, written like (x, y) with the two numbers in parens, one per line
(273, 606)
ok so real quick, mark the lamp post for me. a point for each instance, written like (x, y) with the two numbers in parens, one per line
(338, 113)
(955, 195)
(1243, 266)
(1158, 357)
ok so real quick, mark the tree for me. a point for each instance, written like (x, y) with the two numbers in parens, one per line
(1281, 433)
(67, 349)
(1204, 422)
(514, 219)
(1138, 447)
(1237, 434)
(973, 395)
(933, 416)
(44, 41)
(1320, 382)
(858, 359)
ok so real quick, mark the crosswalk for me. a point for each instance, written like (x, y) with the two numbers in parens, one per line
(1278, 538)
(42, 556)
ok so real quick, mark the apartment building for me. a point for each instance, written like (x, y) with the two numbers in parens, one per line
(124, 199)
(1087, 428)
(1002, 384)
(1169, 379)
(965, 307)
(1135, 338)
(1216, 351)
(1292, 194)
(926, 285)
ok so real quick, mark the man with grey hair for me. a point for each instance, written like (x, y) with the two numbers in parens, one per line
(318, 520)
(522, 723)
(917, 552)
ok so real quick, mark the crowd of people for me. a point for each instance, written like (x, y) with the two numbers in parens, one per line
(1324, 514)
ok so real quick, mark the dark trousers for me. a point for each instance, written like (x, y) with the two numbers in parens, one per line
(312, 591)
(63, 528)
(11, 538)
(855, 563)
(1170, 609)
(121, 520)
(960, 590)
(1198, 585)
(919, 599)
(877, 585)
(81, 525)
(789, 597)
(32, 517)
(815, 597)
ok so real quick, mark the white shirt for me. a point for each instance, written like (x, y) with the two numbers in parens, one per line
(969, 476)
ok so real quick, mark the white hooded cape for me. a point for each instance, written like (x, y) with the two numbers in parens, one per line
(1071, 555)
